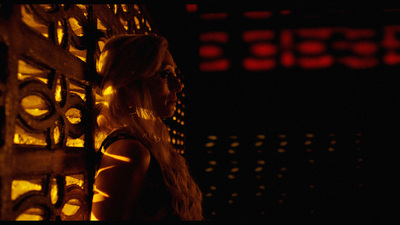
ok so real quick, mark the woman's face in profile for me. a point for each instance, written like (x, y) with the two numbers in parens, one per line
(163, 87)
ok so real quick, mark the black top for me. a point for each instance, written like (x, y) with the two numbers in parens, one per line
(154, 200)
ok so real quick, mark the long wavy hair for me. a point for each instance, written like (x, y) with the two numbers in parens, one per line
(126, 63)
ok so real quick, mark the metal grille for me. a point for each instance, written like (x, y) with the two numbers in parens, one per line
(48, 55)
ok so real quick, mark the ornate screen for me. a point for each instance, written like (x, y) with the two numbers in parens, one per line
(47, 74)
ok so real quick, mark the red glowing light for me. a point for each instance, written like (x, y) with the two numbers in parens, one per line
(316, 62)
(210, 51)
(287, 59)
(322, 33)
(214, 16)
(258, 35)
(365, 48)
(358, 63)
(217, 36)
(391, 58)
(285, 12)
(263, 49)
(358, 33)
(286, 39)
(311, 47)
(215, 65)
(257, 14)
(191, 8)
(253, 64)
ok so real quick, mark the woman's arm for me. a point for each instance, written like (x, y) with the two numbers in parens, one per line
(119, 180)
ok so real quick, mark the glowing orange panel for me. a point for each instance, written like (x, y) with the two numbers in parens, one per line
(257, 14)
(210, 51)
(216, 65)
(217, 36)
(253, 64)
(257, 35)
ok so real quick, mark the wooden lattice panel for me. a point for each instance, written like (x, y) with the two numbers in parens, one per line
(47, 92)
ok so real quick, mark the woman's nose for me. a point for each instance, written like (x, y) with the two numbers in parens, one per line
(175, 84)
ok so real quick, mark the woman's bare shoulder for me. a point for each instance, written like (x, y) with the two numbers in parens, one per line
(131, 150)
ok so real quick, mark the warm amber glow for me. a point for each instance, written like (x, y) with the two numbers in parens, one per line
(20, 187)
(71, 207)
(73, 115)
(118, 157)
(31, 214)
(23, 137)
(103, 169)
(108, 91)
(35, 105)
(100, 192)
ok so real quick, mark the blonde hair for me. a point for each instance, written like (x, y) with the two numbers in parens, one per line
(126, 63)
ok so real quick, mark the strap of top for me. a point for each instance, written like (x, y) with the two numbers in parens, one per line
(113, 137)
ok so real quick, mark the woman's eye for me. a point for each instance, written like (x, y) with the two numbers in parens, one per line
(165, 73)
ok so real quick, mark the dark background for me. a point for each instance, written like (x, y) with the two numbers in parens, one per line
(294, 102)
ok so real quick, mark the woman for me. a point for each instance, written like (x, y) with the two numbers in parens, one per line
(140, 176)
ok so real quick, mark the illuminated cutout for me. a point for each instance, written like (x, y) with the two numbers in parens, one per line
(58, 91)
(230, 151)
(287, 59)
(20, 187)
(281, 150)
(74, 115)
(56, 133)
(308, 142)
(98, 198)
(77, 179)
(93, 217)
(213, 163)
(71, 207)
(77, 142)
(35, 105)
(31, 214)
(76, 27)
(81, 54)
(53, 191)
(30, 20)
(118, 157)
(125, 23)
(212, 137)
(25, 138)
(26, 70)
(230, 176)
(60, 33)
(77, 90)
(283, 143)
(209, 169)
